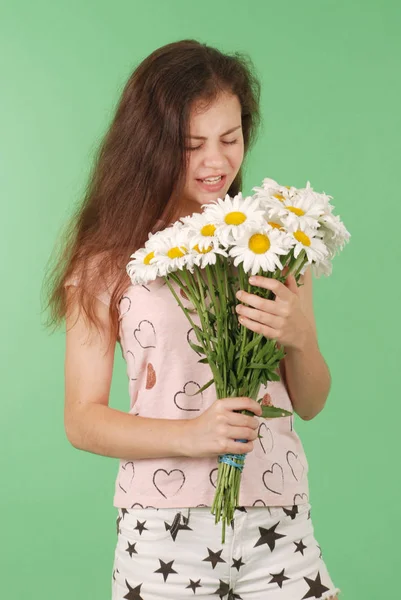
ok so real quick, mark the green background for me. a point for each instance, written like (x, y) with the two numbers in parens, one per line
(330, 75)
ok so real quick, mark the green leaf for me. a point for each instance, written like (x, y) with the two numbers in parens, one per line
(274, 377)
(200, 332)
(232, 379)
(231, 353)
(274, 361)
(248, 412)
(208, 384)
(196, 347)
(256, 366)
(272, 412)
(249, 346)
(212, 316)
(204, 361)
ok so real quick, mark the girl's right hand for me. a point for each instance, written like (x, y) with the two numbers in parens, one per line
(214, 432)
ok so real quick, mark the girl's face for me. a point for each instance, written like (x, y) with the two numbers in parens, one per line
(215, 147)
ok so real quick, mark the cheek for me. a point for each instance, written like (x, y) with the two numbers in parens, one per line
(238, 155)
(191, 167)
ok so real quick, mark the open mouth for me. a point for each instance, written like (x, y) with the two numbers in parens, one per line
(212, 183)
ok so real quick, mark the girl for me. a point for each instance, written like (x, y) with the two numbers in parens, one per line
(185, 122)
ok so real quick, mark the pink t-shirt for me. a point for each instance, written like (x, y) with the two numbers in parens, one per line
(162, 371)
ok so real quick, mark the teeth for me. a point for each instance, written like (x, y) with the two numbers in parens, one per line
(212, 179)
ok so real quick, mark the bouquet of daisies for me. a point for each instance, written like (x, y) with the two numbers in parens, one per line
(278, 231)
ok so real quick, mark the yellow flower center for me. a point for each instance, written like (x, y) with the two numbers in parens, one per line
(301, 237)
(176, 252)
(259, 243)
(275, 225)
(204, 251)
(235, 218)
(148, 258)
(208, 230)
(297, 211)
(279, 196)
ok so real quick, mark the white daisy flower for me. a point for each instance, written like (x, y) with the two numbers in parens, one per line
(308, 239)
(200, 230)
(172, 249)
(335, 234)
(320, 198)
(322, 267)
(260, 247)
(207, 255)
(142, 268)
(272, 194)
(233, 216)
(271, 187)
(275, 221)
(301, 209)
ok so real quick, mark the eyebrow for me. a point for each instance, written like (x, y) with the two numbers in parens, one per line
(199, 137)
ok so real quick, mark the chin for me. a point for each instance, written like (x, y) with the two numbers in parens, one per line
(195, 201)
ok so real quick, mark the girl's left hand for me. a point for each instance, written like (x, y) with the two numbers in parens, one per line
(282, 319)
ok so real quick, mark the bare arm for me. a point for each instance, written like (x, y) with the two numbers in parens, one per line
(90, 423)
(307, 379)
(304, 370)
(93, 426)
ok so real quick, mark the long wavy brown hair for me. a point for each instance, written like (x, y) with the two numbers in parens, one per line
(139, 165)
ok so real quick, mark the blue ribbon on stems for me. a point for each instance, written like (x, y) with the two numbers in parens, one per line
(230, 459)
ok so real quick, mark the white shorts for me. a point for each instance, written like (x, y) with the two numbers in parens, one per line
(171, 553)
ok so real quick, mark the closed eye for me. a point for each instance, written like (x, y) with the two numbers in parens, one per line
(197, 147)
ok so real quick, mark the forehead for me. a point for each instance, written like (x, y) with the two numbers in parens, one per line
(216, 116)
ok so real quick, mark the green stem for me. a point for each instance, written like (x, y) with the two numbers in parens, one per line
(166, 279)
(205, 324)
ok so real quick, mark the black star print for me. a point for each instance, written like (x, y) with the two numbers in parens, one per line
(308, 514)
(118, 525)
(193, 585)
(214, 558)
(165, 568)
(316, 589)
(175, 528)
(133, 593)
(241, 508)
(124, 512)
(269, 537)
(278, 578)
(131, 549)
(300, 547)
(237, 564)
(225, 589)
(292, 512)
(141, 526)
(232, 596)
(320, 550)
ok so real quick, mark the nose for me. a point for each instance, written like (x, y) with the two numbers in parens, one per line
(215, 158)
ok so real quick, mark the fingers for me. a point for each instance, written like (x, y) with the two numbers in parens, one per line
(269, 306)
(260, 316)
(242, 433)
(240, 420)
(233, 447)
(241, 403)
